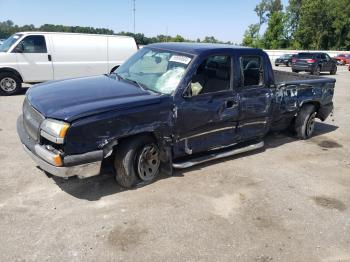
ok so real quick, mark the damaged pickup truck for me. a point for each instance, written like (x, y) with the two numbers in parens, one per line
(171, 105)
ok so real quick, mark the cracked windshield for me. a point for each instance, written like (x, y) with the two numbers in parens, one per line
(155, 70)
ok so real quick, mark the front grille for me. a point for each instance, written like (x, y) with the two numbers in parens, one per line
(32, 120)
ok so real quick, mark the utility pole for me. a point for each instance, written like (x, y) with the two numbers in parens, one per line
(166, 35)
(134, 10)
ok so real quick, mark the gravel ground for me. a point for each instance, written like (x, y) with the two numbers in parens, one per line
(288, 202)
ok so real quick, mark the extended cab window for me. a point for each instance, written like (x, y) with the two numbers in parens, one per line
(34, 44)
(252, 71)
(212, 75)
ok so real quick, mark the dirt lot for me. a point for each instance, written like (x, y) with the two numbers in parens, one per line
(288, 202)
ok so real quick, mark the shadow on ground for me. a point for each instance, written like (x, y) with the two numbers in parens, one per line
(94, 188)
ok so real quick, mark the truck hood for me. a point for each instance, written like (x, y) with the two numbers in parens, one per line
(71, 99)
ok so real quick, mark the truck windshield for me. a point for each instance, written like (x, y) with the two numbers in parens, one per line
(6, 45)
(157, 70)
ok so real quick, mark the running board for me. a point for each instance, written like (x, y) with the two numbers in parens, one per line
(212, 156)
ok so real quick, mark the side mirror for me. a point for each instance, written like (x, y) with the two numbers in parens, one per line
(19, 48)
(188, 92)
(193, 89)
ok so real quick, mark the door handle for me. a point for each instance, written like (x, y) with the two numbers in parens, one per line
(230, 103)
(49, 57)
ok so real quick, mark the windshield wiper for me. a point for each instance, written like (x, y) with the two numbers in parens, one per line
(137, 83)
(143, 87)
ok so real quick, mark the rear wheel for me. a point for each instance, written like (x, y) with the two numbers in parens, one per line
(305, 122)
(276, 65)
(10, 84)
(137, 160)
(333, 71)
(316, 71)
(295, 71)
(289, 64)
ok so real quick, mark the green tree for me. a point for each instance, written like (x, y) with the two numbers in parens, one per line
(274, 37)
(314, 25)
(251, 35)
(210, 39)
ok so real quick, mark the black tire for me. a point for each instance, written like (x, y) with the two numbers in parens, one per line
(333, 71)
(305, 122)
(295, 71)
(127, 161)
(289, 64)
(276, 65)
(316, 71)
(10, 84)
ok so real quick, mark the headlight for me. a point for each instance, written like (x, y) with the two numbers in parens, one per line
(54, 130)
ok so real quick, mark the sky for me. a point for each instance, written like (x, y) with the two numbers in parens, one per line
(226, 20)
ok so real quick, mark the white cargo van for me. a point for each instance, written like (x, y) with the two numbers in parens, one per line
(33, 57)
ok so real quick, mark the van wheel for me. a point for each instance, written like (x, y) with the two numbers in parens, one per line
(10, 84)
(305, 122)
(137, 161)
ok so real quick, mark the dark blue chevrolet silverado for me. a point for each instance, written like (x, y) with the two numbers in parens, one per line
(171, 105)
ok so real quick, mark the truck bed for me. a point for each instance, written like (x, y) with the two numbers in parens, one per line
(290, 78)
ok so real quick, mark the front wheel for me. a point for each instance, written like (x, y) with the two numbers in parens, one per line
(137, 160)
(10, 84)
(289, 64)
(305, 122)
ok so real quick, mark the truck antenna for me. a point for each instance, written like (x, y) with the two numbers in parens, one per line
(134, 10)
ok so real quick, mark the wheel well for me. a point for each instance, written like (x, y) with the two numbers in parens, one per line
(11, 70)
(314, 103)
(148, 134)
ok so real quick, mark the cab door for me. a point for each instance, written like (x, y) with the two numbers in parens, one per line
(208, 111)
(255, 98)
(33, 58)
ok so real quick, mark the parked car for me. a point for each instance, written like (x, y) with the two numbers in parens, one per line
(33, 57)
(285, 59)
(171, 105)
(343, 59)
(314, 63)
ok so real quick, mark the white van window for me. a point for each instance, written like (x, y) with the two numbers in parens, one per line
(34, 44)
(6, 45)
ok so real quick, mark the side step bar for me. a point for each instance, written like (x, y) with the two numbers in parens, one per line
(212, 156)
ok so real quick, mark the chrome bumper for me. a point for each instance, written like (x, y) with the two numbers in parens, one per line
(82, 171)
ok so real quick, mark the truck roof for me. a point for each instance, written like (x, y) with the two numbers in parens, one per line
(68, 33)
(198, 48)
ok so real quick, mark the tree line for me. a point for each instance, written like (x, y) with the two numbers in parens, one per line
(302, 24)
(8, 28)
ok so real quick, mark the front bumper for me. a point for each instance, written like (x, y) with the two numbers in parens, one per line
(85, 165)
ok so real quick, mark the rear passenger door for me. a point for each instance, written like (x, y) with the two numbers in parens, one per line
(33, 58)
(255, 98)
(329, 62)
(208, 111)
